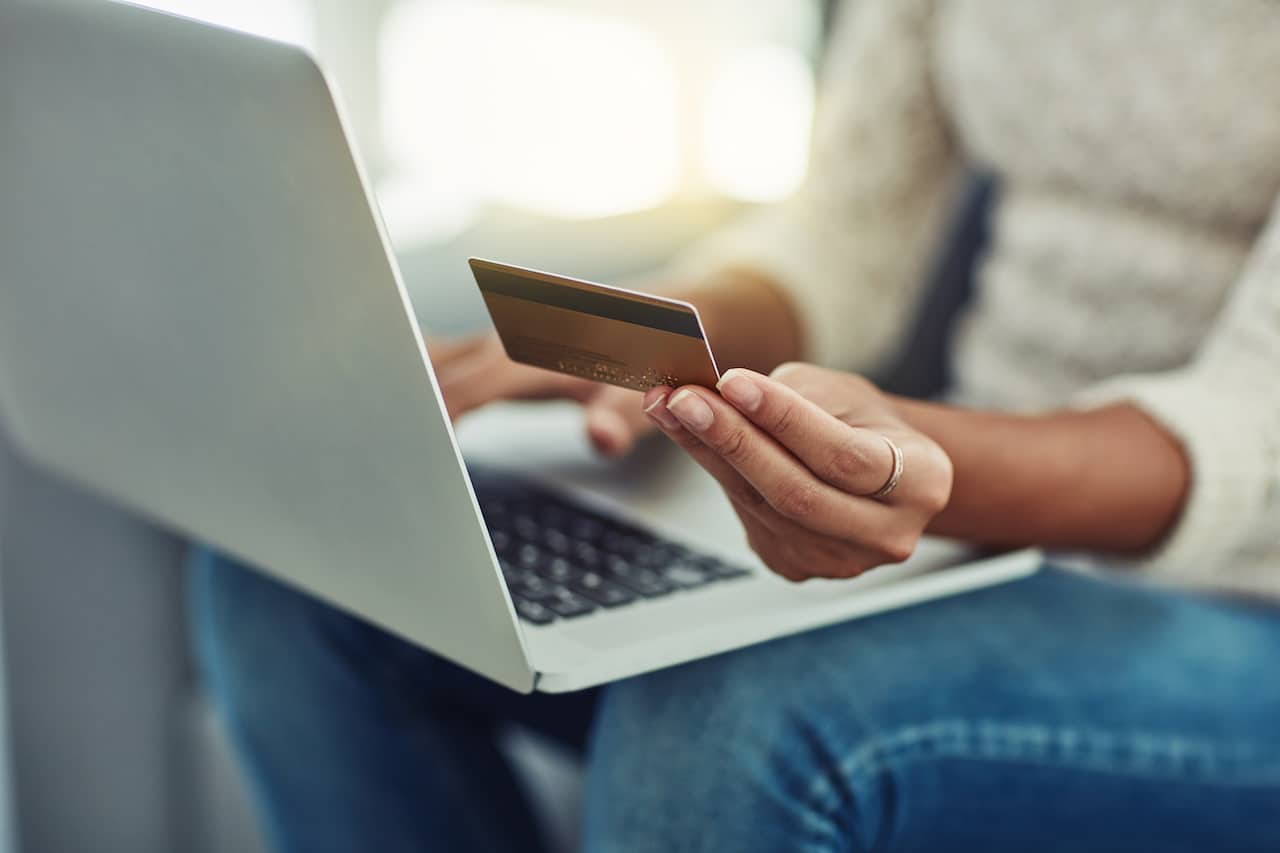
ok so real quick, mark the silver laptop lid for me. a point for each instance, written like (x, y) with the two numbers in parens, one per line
(199, 317)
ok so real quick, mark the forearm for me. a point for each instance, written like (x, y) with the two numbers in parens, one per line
(749, 320)
(1107, 480)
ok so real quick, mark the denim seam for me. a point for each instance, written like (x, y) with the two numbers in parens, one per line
(1138, 755)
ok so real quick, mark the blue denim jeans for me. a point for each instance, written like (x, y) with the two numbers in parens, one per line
(1059, 712)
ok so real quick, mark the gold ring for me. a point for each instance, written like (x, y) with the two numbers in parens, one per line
(892, 482)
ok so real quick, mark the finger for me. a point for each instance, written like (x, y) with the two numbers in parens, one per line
(834, 391)
(789, 487)
(807, 556)
(615, 419)
(765, 545)
(856, 461)
(446, 350)
(654, 405)
(483, 377)
(769, 534)
(839, 560)
(747, 496)
(741, 494)
(778, 541)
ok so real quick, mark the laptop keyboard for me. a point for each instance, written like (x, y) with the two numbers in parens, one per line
(562, 560)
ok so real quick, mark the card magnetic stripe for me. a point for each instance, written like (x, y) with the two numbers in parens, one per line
(597, 304)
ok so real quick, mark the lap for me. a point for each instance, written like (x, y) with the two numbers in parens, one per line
(1059, 707)
(270, 648)
(1028, 699)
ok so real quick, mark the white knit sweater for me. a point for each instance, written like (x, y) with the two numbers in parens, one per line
(1136, 251)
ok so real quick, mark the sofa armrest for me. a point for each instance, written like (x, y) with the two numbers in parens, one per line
(94, 655)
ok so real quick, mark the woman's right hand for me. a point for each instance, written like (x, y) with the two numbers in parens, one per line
(475, 371)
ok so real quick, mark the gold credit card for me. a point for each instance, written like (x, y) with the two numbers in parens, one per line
(594, 331)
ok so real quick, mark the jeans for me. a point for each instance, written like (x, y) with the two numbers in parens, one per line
(1058, 712)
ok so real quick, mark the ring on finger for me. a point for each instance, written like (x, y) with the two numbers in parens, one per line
(894, 476)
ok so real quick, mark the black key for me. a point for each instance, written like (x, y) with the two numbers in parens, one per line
(601, 591)
(686, 575)
(637, 542)
(514, 509)
(622, 543)
(590, 580)
(639, 579)
(501, 540)
(559, 570)
(725, 571)
(525, 527)
(586, 529)
(553, 516)
(621, 568)
(622, 528)
(556, 540)
(646, 582)
(647, 555)
(529, 556)
(657, 556)
(533, 587)
(716, 568)
(586, 556)
(532, 611)
(568, 605)
(548, 546)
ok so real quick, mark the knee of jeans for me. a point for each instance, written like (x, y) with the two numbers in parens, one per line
(686, 723)
(721, 752)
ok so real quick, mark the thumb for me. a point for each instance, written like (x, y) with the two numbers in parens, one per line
(615, 420)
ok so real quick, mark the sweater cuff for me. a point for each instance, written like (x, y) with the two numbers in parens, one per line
(1217, 427)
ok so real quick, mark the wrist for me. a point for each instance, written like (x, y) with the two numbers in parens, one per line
(1104, 480)
(749, 319)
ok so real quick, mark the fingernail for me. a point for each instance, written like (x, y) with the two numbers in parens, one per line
(658, 411)
(653, 396)
(691, 409)
(741, 390)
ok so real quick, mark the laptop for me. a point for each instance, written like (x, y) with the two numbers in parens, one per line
(201, 318)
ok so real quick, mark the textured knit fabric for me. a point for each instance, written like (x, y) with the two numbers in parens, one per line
(1136, 250)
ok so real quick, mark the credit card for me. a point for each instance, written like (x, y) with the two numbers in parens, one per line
(594, 331)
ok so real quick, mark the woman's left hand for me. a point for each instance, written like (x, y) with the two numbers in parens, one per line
(807, 458)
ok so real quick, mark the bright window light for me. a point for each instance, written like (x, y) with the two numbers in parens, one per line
(757, 114)
(283, 20)
(564, 113)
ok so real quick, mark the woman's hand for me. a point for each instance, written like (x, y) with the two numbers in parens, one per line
(476, 371)
(802, 455)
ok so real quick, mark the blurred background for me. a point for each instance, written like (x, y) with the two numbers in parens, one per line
(591, 137)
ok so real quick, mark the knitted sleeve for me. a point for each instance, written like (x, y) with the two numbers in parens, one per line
(1225, 409)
